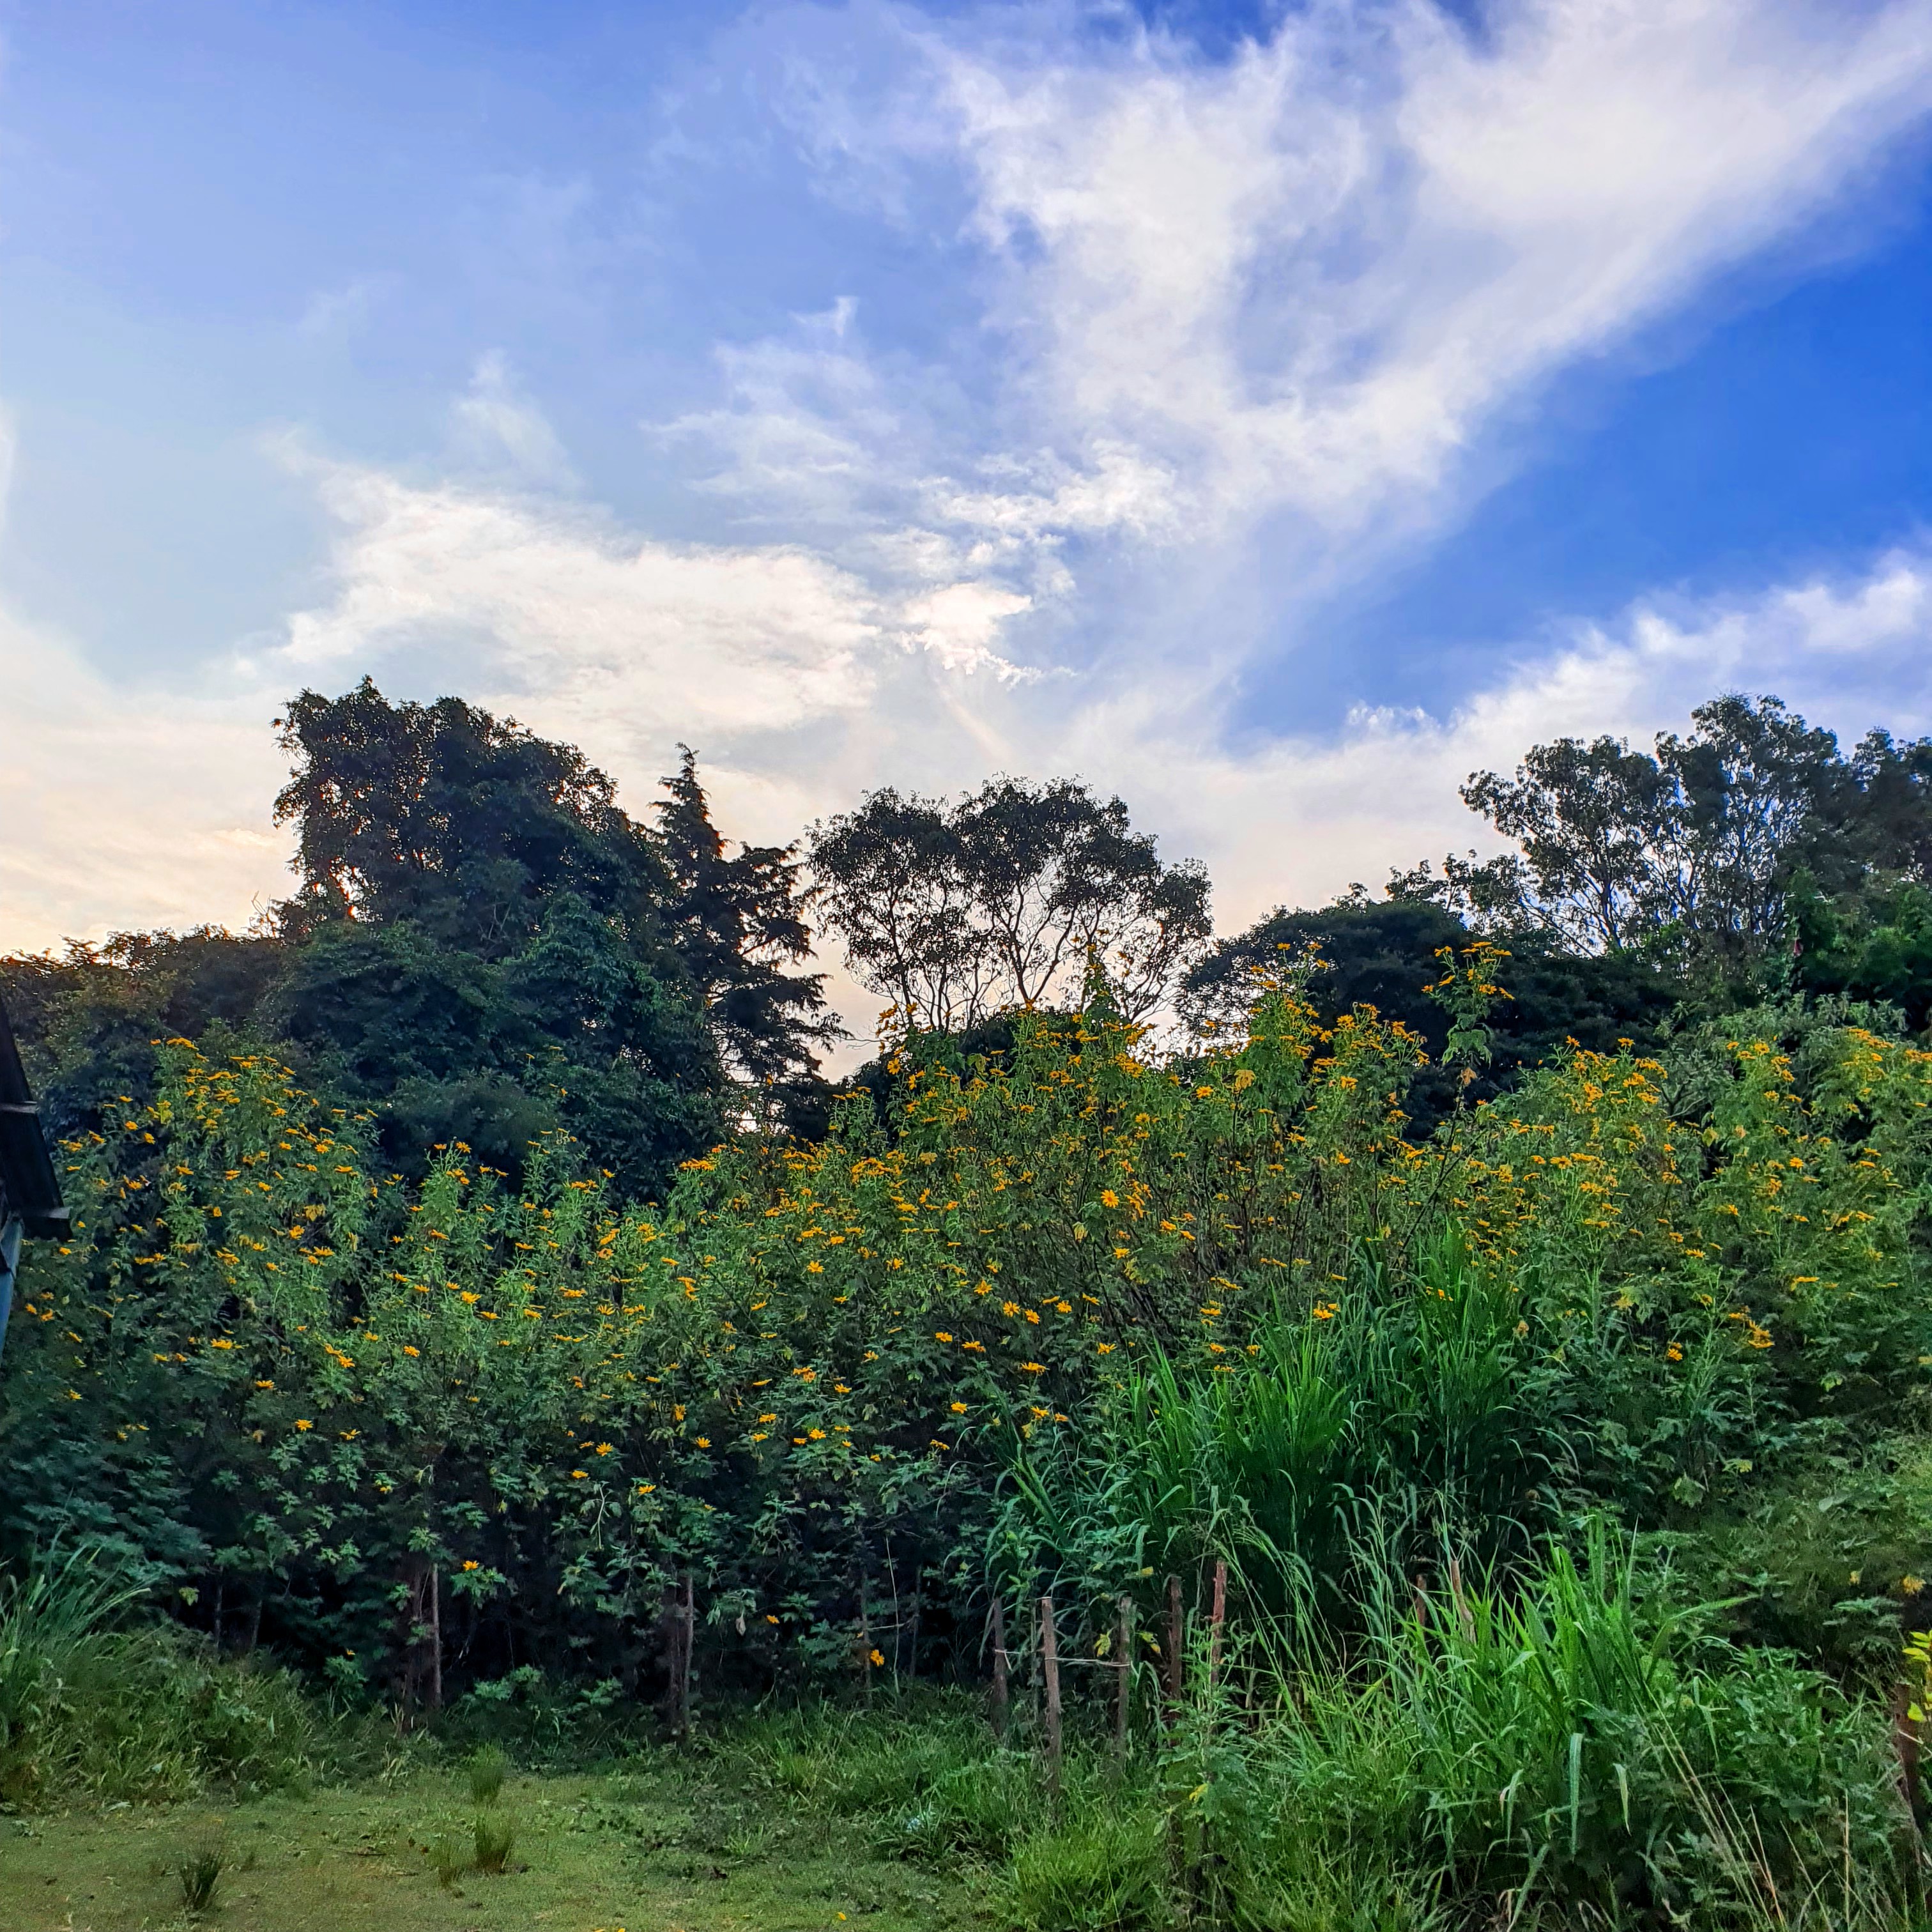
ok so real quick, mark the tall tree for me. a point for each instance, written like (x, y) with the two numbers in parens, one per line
(1687, 851)
(481, 945)
(736, 923)
(443, 814)
(954, 911)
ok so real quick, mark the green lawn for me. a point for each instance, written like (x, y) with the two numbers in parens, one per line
(644, 1850)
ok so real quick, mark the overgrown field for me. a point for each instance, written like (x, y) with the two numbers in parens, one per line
(1526, 1518)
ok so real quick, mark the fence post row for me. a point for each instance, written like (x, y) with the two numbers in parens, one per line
(688, 1634)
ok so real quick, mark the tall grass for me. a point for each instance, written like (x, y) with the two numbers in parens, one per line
(1549, 1750)
(1403, 1396)
(47, 1617)
(88, 1707)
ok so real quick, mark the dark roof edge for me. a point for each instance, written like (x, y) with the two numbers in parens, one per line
(28, 1185)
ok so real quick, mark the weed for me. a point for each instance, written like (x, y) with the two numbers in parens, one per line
(495, 1838)
(487, 1768)
(449, 1857)
(198, 1874)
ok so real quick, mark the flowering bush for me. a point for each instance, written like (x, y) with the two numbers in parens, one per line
(390, 1422)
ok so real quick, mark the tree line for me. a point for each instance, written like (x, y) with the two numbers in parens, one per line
(483, 945)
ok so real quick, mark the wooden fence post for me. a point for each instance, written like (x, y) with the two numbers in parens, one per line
(1220, 1618)
(1049, 1659)
(1123, 1638)
(864, 1644)
(436, 1639)
(688, 1620)
(669, 1616)
(1175, 1637)
(997, 1624)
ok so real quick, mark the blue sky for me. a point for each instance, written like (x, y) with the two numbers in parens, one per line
(1272, 413)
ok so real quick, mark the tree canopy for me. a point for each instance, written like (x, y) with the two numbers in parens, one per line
(1004, 898)
(1689, 852)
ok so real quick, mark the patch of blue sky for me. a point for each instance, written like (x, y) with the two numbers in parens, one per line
(1781, 430)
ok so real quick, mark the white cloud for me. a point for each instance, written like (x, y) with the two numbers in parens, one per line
(128, 809)
(498, 429)
(1231, 335)
(1295, 822)
(1307, 279)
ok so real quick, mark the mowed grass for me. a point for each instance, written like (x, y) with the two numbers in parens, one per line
(647, 1847)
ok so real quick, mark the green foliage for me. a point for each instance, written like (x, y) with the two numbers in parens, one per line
(1553, 1745)
(1006, 898)
(483, 947)
(1361, 952)
(449, 1858)
(113, 1712)
(1874, 945)
(1408, 1393)
(493, 1838)
(1099, 1870)
(808, 1374)
(47, 1620)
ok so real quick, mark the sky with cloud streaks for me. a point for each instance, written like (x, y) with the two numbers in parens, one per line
(1271, 412)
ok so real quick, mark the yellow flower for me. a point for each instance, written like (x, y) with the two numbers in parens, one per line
(878, 1658)
(958, 1408)
(704, 1442)
(604, 1448)
(940, 1335)
(303, 1422)
(472, 1563)
(577, 1475)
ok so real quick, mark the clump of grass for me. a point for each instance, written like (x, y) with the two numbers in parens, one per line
(449, 1858)
(48, 1618)
(495, 1839)
(198, 1874)
(1101, 1872)
(487, 1768)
